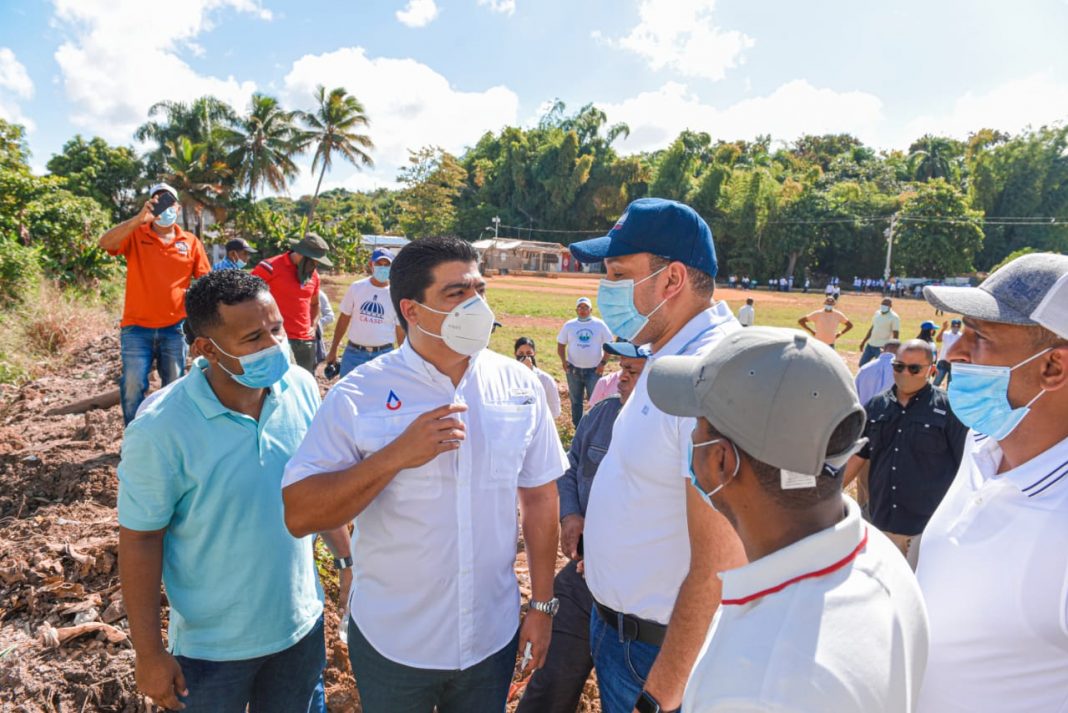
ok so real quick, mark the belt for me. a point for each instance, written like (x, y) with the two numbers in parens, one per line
(362, 348)
(631, 627)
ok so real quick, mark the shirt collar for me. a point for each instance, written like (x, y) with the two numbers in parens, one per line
(703, 321)
(817, 555)
(421, 366)
(201, 393)
(1041, 474)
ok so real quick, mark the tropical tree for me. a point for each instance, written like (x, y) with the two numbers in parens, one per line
(262, 145)
(200, 182)
(933, 157)
(334, 128)
(108, 174)
(205, 121)
(937, 234)
(433, 180)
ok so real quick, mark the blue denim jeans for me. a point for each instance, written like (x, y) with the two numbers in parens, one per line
(140, 348)
(352, 358)
(943, 373)
(622, 664)
(580, 384)
(870, 353)
(386, 686)
(278, 683)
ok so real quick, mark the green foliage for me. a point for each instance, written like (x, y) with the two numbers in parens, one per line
(933, 157)
(14, 151)
(110, 175)
(433, 180)
(65, 228)
(262, 145)
(937, 234)
(20, 272)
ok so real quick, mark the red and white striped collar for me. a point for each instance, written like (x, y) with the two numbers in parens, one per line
(817, 555)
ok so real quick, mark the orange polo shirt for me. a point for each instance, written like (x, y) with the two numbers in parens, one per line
(294, 299)
(157, 276)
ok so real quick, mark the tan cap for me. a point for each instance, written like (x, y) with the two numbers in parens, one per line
(778, 394)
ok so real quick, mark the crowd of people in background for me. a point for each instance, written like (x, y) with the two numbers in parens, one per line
(715, 562)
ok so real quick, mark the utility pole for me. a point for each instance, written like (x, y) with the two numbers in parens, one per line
(889, 233)
(496, 224)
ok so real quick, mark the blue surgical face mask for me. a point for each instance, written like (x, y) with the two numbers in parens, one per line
(167, 218)
(381, 273)
(240, 263)
(979, 396)
(262, 369)
(615, 299)
(884, 309)
(707, 496)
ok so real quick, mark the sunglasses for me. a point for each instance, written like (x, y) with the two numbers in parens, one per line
(914, 369)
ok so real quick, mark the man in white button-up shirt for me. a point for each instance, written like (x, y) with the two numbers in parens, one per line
(993, 560)
(827, 616)
(652, 548)
(427, 448)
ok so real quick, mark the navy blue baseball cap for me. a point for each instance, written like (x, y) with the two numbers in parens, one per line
(654, 225)
(627, 349)
(382, 253)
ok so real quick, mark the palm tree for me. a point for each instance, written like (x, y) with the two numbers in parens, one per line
(200, 182)
(932, 156)
(333, 127)
(203, 121)
(263, 144)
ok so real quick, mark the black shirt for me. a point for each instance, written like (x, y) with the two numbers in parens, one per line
(915, 451)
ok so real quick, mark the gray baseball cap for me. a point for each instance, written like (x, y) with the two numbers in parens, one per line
(1010, 295)
(778, 394)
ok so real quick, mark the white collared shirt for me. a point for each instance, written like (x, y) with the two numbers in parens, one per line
(994, 571)
(833, 623)
(636, 542)
(433, 554)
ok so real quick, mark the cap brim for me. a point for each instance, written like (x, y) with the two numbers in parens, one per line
(623, 349)
(975, 303)
(325, 261)
(593, 250)
(251, 249)
(671, 385)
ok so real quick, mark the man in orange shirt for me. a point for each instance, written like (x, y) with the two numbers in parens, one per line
(294, 282)
(826, 321)
(162, 260)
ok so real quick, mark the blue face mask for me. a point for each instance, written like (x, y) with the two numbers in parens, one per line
(706, 496)
(240, 263)
(979, 396)
(381, 273)
(262, 369)
(167, 218)
(615, 299)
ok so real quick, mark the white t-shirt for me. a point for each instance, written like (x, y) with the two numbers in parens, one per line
(643, 479)
(552, 393)
(833, 623)
(374, 321)
(585, 341)
(993, 567)
(746, 315)
(949, 338)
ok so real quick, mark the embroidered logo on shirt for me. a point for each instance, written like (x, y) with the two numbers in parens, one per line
(585, 335)
(393, 401)
(182, 247)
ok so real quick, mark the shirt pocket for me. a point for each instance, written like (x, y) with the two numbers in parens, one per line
(422, 483)
(508, 427)
(595, 454)
(929, 436)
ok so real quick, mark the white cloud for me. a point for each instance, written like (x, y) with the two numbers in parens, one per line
(1034, 100)
(505, 7)
(118, 62)
(682, 35)
(409, 104)
(15, 85)
(656, 118)
(418, 13)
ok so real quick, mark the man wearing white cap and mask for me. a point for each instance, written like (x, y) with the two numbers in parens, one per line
(428, 448)
(827, 615)
(993, 561)
(162, 260)
(579, 345)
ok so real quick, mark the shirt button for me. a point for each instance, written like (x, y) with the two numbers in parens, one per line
(894, 505)
(893, 467)
(899, 430)
(896, 450)
(893, 487)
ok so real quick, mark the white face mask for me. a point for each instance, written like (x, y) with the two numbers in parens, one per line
(466, 328)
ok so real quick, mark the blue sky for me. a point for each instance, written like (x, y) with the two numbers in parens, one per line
(443, 72)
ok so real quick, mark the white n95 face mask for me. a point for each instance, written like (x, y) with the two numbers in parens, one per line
(466, 328)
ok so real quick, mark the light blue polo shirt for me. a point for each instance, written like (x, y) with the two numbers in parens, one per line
(239, 585)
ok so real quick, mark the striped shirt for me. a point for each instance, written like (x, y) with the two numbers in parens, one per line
(993, 569)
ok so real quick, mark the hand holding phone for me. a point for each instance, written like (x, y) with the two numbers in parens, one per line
(164, 200)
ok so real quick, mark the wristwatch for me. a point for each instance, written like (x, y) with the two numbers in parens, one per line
(343, 562)
(647, 704)
(550, 607)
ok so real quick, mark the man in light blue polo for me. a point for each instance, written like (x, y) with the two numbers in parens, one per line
(200, 505)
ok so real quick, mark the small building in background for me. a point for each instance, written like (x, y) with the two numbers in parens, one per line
(508, 254)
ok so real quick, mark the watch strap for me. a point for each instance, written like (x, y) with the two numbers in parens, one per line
(343, 562)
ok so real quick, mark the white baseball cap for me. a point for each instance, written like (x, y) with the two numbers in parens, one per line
(163, 187)
(1052, 312)
(584, 301)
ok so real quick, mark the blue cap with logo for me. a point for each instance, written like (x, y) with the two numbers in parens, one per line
(666, 228)
(382, 253)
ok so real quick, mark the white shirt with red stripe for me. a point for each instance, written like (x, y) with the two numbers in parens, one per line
(993, 568)
(833, 623)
